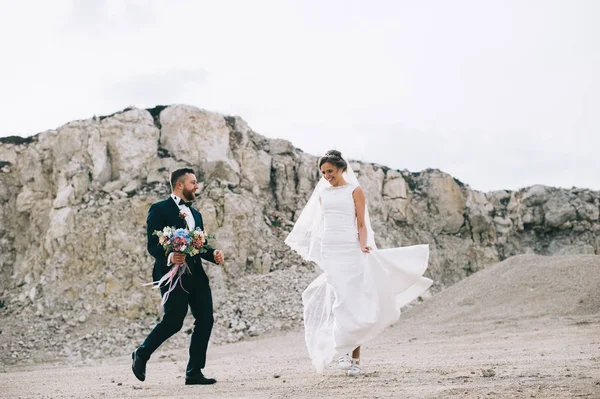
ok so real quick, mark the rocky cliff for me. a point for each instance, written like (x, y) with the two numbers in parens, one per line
(73, 204)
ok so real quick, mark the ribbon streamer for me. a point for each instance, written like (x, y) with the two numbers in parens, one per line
(173, 277)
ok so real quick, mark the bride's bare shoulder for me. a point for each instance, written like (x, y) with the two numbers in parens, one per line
(357, 190)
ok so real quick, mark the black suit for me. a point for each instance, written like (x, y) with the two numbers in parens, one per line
(166, 214)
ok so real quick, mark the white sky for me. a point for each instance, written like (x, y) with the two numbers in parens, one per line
(499, 93)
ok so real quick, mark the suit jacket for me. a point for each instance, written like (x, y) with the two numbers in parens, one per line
(163, 214)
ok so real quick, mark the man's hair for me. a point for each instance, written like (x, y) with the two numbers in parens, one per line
(176, 175)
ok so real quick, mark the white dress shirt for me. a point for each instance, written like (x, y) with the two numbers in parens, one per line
(189, 218)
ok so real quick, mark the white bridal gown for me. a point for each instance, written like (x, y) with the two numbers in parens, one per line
(359, 294)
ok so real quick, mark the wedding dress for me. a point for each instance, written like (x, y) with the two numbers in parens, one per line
(358, 294)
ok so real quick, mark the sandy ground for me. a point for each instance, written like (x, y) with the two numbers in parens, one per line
(527, 327)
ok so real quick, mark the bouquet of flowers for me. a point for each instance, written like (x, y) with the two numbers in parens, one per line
(178, 240)
(182, 240)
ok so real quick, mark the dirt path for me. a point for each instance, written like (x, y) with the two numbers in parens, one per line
(546, 358)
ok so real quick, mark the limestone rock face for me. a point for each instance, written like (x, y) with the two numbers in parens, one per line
(73, 205)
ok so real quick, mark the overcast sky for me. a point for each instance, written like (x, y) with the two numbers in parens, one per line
(500, 94)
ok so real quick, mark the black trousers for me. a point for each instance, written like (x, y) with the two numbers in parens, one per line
(199, 299)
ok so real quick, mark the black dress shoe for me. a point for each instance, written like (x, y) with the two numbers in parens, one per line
(199, 379)
(138, 365)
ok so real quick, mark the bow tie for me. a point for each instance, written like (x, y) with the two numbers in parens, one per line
(188, 204)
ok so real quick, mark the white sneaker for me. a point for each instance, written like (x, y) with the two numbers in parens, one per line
(354, 369)
(344, 363)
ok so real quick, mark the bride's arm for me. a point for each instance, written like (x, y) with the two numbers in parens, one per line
(360, 203)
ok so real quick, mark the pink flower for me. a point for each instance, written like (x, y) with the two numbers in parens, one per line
(198, 242)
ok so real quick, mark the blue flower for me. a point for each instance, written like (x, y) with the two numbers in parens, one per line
(182, 233)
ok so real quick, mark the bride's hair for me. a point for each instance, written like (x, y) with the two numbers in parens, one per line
(334, 157)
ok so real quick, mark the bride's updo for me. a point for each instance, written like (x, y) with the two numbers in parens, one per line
(334, 157)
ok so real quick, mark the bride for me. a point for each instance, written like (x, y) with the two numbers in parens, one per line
(362, 288)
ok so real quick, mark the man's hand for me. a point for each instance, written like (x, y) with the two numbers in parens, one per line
(219, 257)
(178, 258)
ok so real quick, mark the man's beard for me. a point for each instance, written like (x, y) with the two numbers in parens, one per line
(188, 195)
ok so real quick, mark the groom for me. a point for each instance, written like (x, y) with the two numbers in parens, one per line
(177, 211)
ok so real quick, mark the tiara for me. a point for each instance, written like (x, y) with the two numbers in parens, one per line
(330, 155)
